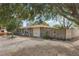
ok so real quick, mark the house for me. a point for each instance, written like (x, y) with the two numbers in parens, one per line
(44, 31)
(36, 30)
(33, 30)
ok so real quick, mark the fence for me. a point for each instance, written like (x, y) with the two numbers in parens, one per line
(74, 33)
(53, 33)
(60, 33)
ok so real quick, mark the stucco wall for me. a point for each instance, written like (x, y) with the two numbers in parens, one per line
(36, 32)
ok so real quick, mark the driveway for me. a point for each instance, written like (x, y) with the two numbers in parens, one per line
(37, 46)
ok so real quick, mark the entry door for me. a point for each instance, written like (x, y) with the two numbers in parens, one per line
(36, 32)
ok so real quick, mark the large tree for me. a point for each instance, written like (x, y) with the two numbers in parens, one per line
(69, 11)
(30, 11)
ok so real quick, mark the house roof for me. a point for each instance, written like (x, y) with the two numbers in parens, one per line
(38, 26)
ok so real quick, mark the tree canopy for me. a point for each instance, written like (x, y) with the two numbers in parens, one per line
(9, 11)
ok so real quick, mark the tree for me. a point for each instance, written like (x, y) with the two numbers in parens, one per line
(39, 20)
(30, 11)
(69, 11)
(56, 26)
(64, 22)
(13, 25)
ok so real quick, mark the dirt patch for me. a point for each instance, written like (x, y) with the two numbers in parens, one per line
(25, 46)
(47, 50)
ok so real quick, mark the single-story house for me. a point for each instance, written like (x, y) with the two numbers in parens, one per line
(45, 31)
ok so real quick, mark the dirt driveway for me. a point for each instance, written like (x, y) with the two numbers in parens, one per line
(25, 46)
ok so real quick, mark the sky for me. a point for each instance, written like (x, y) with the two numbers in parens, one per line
(50, 22)
(25, 23)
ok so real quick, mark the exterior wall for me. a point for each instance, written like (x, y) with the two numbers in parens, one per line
(25, 32)
(36, 32)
